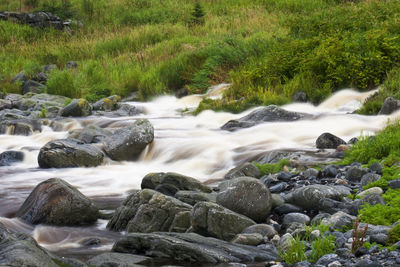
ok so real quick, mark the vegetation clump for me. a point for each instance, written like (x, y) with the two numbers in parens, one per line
(270, 168)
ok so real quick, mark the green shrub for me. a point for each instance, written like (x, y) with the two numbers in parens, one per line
(197, 14)
(62, 83)
(269, 168)
(322, 246)
(295, 252)
(394, 234)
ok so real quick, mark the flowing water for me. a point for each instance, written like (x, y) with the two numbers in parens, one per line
(190, 145)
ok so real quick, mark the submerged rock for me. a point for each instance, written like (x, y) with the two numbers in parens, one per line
(7, 158)
(56, 202)
(190, 247)
(389, 106)
(69, 153)
(128, 142)
(328, 140)
(266, 114)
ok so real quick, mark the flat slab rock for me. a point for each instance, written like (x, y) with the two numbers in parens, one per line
(190, 247)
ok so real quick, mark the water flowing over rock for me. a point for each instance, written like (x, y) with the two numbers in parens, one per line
(148, 211)
(266, 114)
(56, 202)
(69, 153)
(328, 140)
(389, 105)
(118, 259)
(247, 196)
(213, 220)
(21, 250)
(91, 134)
(128, 142)
(7, 158)
(190, 247)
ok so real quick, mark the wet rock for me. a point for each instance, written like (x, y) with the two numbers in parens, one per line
(89, 242)
(309, 197)
(190, 247)
(17, 127)
(178, 181)
(266, 114)
(193, 197)
(262, 229)
(115, 259)
(328, 140)
(278, 187)
(5, 104)
(77, 108)
(295, 217)
(71, 65)
(327, 259)
(167, 189)
(246, 169)
(372, 190)
(10, 157)
(248, 239)
(56, 202)
(182, 92)
(247, 196)
(340, 220)
(127, 110)
(148, 211)
(91, 134)
(128, 142)
(389, 106)
(300, 96)
(22, 250)
(369, 178)
(395, 184)
(69, 153)
(286, 241)
(287, 208)
(30, 86)
(210, 219)
(354, 173)
(107, 104)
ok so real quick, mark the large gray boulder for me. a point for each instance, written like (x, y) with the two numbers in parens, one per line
(148, 211)
(389, 105)
(309, 197)
(128, 142)
(328, 140)
(56, 202)
(77, 108)
(211, 219)
(51, 104)
(246, 169)
(190, 247)
(90, 134)
(115, 259)
(247, 196)
(266, 114)
(69, 153)
(193, 197)
(22, 250)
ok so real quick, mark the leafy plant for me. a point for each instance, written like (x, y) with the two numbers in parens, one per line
(270, 168)
(295, 252)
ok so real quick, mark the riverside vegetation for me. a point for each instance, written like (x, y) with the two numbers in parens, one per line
(267, 49)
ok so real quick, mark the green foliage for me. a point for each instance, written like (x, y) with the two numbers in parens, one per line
(62, 83)
(272, 167)
(64, 8)
(31, 3)
(394, 234)
(87, 7)
(43, 113)
(322, 246)
(197, 14)
(295, 252)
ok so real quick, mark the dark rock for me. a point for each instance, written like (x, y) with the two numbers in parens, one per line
(300, 96)
(152, 180)
(284, 176)
(369, 178)
(71, 65)
(49, 68)
(41, 77)
(149, 211)
(352, 141)
(20, 77)
(330, 171)
(33, 87)
(295, 217)
(92, 134)
(190, 247)
(267, 180)
(246, 169)
(88, 242)
(328, 140)
(310, 173)
(395, 184)
(278, 187)
(247, 196)
(332, 206)
(72, 262)
(379, 238)
(167, 189)
(376, 167)
(16, 127)
(182, 92)
(287, 208)
(360, 252)
(77, 108)
(262, 229)
(52, 104)
(128, 142)
(69, 153)
(178, 181)
(266, 114)
(319, 217)
(193, 197)
(127, 110)
(367, 263)
(355, 173)
(248, 239)
(56, 202)
(210, 219)
(328, 258)
(389, 105)
(8, 158)
(114, 259)
(22, 250)
(302, 264)
(371, 199)
(107, 104)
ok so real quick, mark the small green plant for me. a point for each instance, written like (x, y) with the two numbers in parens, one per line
(358, 236)
(197, 14)
(270, 168)
(295, 252)
(321, 247)
(43, 113)
(394, 234)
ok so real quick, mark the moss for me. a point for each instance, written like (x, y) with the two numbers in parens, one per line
(394, 235)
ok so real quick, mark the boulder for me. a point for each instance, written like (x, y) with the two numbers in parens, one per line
(248, 239)
(295, 217)
(30, 86)
(107, 104)
(369, 178)
(389, 105)
(148, 211)
(210, 219)
(51, 104)
(5, 104)
(262, 229)
(247, 169)
(355, 173)
(193, 197)
(22, 250)
(190, 247)
(128, 142)
(18, 127)
(56, 202)
(91, 134)
(328, 140)
(115, 259)
(266, 114)
(77, 108)
(69, 153)
(8, 158)
(247, 196)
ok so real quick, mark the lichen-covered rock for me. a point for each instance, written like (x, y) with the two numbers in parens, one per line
(77, 108)
(213, 220)
(69, 153)
(107, 104)
(56, 202)
(193, 197)
(128, 142)
(148, 211)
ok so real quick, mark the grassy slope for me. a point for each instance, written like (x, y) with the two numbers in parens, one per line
(268, 49)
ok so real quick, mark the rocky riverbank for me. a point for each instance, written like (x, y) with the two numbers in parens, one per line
(250, 216)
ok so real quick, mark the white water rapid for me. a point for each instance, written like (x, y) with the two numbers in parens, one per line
(190, 145)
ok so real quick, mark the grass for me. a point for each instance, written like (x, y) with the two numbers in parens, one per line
(271, 168)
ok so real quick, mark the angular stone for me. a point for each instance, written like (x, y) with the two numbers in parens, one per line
(77, 108)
